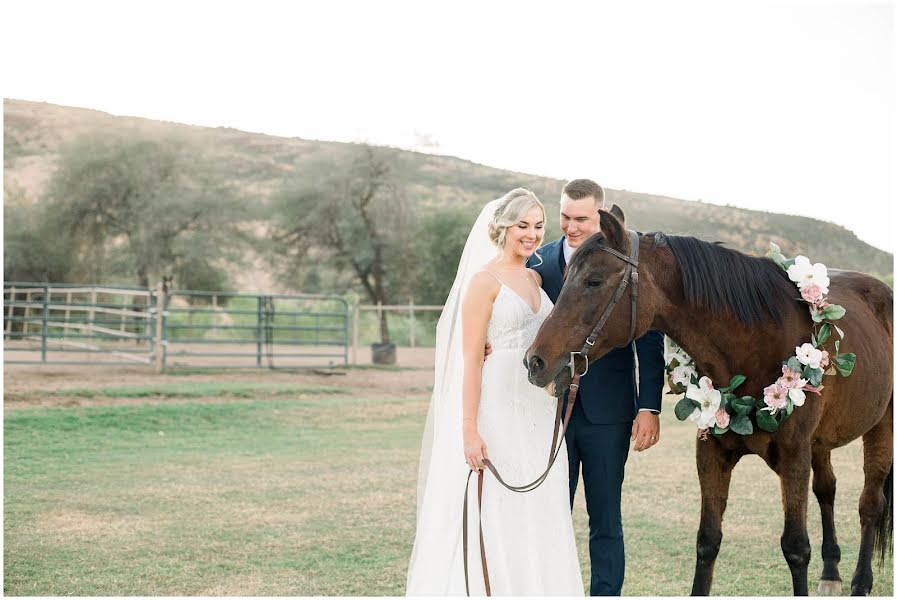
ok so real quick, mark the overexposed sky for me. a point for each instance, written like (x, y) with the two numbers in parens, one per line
(780, 106)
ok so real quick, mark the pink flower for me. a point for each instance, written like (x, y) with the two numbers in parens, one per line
(812, 293)
(824, 362)
(722, 418)
(815, 390)
(776, 396)
(790, 378)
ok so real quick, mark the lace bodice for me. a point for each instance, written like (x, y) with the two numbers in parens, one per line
(513, 325)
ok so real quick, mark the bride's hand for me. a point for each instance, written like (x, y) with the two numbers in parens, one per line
(474, 450)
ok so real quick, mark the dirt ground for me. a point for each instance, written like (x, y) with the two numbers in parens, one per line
(39, 385)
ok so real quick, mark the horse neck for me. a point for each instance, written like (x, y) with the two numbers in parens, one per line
(721, 345)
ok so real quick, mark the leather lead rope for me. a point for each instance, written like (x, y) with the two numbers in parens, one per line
(554, 451)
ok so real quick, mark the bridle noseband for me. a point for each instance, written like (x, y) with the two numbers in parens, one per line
(630, 273)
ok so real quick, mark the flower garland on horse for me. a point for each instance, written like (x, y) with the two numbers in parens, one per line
(718, 410)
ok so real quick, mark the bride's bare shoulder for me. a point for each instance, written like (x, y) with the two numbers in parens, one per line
(484, 283)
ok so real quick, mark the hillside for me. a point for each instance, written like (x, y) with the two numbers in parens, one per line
(34, 133)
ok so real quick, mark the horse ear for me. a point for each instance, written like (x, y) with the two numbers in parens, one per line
(613, 230)
(618, 212)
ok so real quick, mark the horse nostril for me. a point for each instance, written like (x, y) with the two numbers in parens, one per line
(536, 365)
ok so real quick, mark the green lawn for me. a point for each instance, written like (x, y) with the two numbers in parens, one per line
(314, 495)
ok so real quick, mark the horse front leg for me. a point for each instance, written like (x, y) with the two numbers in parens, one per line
(794, 475)
(824, 488)
(715, 466)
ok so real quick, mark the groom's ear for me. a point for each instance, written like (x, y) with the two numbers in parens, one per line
(613, 229)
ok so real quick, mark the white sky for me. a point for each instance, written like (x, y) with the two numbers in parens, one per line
(785, 106)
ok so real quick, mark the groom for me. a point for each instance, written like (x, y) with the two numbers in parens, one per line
(610, 413)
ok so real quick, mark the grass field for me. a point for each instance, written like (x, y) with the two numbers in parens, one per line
(219, 485)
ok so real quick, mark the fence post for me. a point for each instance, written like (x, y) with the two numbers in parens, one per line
(12, 299)
(45, 318)
(356, 314)
(258, 332)
(160, 315)
(68, 314)
(26, 324)
(411, 326)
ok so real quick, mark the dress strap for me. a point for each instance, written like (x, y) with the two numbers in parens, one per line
(497, 278)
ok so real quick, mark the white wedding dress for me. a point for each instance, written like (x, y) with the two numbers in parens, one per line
(530, 547)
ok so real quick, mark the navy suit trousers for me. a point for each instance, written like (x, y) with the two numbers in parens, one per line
(600, 451)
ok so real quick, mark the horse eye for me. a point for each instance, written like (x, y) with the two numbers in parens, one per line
(594, 282)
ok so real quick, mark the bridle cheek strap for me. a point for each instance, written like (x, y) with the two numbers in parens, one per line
(630, 275)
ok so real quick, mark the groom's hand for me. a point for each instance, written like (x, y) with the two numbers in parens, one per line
(645, 430)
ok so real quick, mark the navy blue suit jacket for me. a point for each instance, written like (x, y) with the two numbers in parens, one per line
(608, 391)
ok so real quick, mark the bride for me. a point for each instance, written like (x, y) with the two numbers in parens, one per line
(488, 409)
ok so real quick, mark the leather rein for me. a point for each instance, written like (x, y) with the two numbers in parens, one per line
(630, 275)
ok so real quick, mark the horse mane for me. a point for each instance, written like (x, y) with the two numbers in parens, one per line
(725, 280)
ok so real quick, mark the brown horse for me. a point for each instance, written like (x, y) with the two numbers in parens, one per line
(736, 314)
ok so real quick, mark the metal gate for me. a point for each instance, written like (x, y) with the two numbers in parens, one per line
(76, 324)
(212, 329)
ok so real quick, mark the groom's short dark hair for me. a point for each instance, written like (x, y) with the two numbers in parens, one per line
(578, 189)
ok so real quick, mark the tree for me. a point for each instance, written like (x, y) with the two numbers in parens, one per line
(33, 247)
(353, 216)
(438, 244)
(144, 206)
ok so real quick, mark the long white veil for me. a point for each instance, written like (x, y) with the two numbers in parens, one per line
(442, 468)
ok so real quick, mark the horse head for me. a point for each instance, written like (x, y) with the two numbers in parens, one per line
(591, 285)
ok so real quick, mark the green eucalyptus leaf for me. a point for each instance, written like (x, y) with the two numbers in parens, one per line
(719, 430)
(741, 425)
(814, 376)
(839, 330)
(789, 408)
(825, 332)
(794, 364)
(833, 312)
(684, 408)
(743, 405)
(726, 399)
(767, 422)
(845, 363)
(817, 317)
(736, 381)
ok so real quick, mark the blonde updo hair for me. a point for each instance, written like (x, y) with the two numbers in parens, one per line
(512, 207)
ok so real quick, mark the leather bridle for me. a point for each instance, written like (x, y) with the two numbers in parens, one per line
(630, 275)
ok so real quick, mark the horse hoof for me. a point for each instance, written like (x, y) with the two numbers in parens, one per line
(830, 588)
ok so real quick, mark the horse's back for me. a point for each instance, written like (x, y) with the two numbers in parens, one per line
(870, 291)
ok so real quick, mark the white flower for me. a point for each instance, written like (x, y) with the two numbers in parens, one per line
(709, 399)
(803, 274)
(797, 396)
(682, 374)
(808, 355)
(679, 355)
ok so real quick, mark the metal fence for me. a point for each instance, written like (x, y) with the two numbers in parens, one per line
(78, 324)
